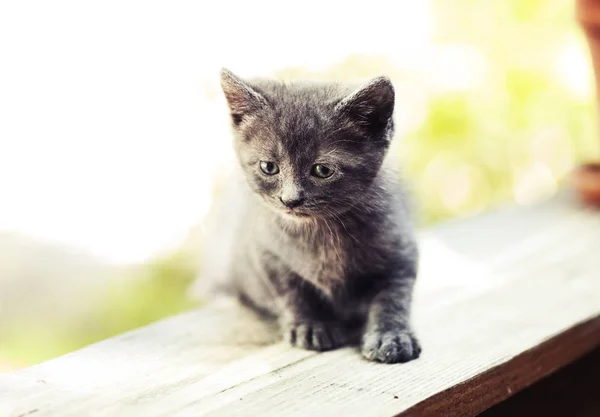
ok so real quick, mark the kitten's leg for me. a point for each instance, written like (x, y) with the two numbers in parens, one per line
(307, 318)
(388, 336)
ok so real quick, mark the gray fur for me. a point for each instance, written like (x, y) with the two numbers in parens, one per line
(346, 257)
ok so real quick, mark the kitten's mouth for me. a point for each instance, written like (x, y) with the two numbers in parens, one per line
(295, 213)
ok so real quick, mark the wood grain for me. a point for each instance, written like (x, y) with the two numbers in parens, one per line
(501, 382)
(502, 300)
(571, 391)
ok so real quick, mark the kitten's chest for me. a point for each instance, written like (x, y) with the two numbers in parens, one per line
(326, 259)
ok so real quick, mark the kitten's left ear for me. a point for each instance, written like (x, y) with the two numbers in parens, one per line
(372, 105)
(242, 99)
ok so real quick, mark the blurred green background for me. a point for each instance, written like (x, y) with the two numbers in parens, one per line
(501, 117)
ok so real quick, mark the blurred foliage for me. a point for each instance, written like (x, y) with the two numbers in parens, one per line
(499, 119)
(161, 285)
(148, 293)
(492, 120)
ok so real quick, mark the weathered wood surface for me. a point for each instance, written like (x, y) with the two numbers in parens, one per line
(503, 300)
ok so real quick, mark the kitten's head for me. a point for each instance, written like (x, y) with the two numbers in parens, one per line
(310, 150)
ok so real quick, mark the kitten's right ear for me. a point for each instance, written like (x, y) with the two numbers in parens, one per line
(241, 98)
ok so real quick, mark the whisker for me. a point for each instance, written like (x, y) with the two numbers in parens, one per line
(333, 236)
(345, 228)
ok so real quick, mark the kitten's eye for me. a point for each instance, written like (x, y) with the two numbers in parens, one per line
(321, 171)
(269, 168)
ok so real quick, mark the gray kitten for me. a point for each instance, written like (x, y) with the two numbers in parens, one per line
(323, 241)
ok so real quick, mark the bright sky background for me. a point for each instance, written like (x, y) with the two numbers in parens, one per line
(107, 139)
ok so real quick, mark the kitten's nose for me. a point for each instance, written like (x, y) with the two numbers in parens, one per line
(292, 195)
(293, 202)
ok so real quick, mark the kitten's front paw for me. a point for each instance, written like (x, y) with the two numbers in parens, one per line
(391, 346)
(314, 335)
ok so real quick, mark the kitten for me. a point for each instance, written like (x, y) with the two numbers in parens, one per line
(322, 240)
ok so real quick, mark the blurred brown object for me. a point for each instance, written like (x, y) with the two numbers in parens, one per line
(588, 14)
(587, 177)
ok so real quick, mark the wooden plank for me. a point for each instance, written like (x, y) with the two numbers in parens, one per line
(499, 383)
(503, 300)
(571, 391)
